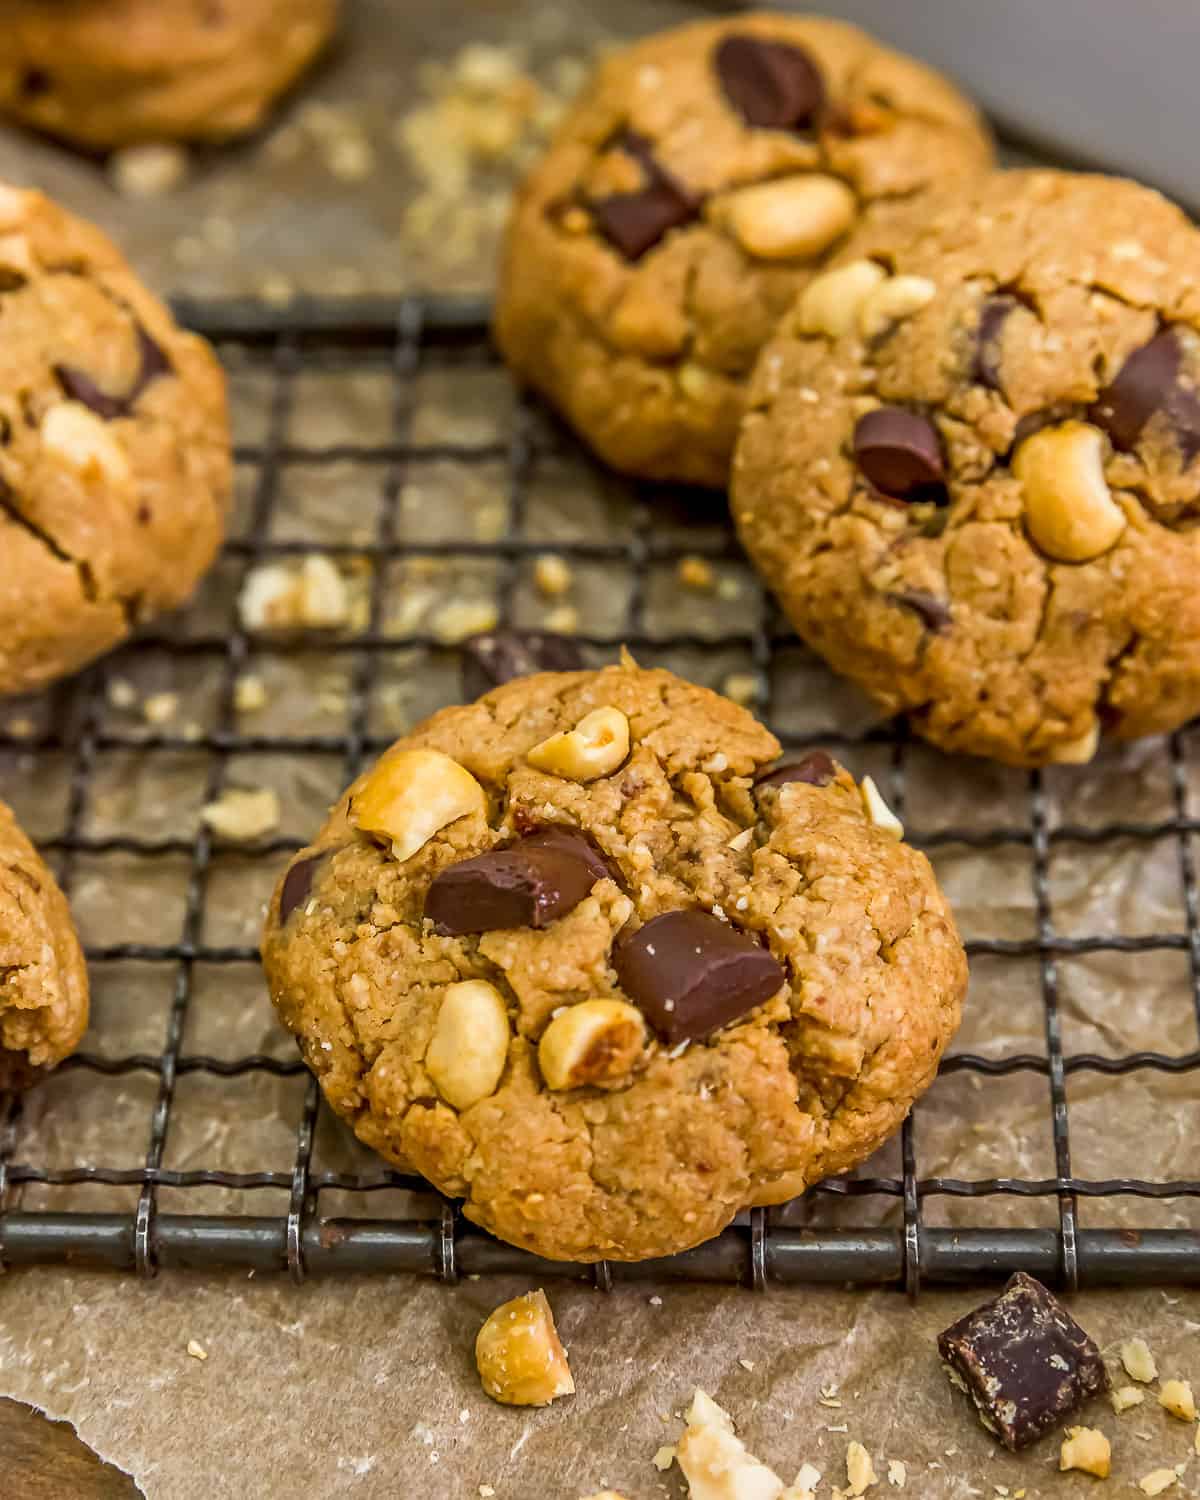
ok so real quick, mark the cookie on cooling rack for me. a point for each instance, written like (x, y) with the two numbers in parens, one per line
(122, 71)
(43, 981)
(582, 955)
(683, 205)
(114, 447)
(971, 466)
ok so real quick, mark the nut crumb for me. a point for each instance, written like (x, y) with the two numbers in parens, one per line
(743, 687)
(520, 1359)
(241, 815)
(1176, 1397)
(150, 170)
(460, 618)
(1126, 1396)
(664, 1458)
(287, 596)
(564, 620)
(1088, 1449)
(121, 693)
(21, 728)
(860, 1471)
(249, 694)
(1157, 1480)
(1138, 1361)
(197, 1350)
(486, 1492)
(897, 1473)
(552, 575)
(160, 708)
(696, 573)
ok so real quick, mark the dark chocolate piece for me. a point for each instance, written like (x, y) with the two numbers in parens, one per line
(1148, 382)
(934, 613)
(690, 973)
(772, 85)
(1025, 1362)
(530, 884)
(80, 386)
(556, 836)
(901, 454)
(499, 656)
(635, 222)
(817, 768)
(298, 884)
(986, 367)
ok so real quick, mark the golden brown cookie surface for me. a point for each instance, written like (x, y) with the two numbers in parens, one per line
(971, 468)
(114, 460)
(43, 981)
(107, 73)
(683, 204)
(561, 955)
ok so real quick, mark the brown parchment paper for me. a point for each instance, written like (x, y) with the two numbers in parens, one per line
(366, 1386)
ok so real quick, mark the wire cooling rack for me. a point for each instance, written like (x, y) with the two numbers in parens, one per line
(896, 1220)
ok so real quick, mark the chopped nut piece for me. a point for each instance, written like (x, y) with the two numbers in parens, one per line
(1088, 1449)
(1125, 1397)
(148, 171)
(241, 816)
(197, 1350)
(743, 687)
(897, 1473)
(860, 1471)
(1078, 752)
(714, 1460)
(831, 302)
(414, 794)
(1138, 1361)
(594, 1043)
(469, 1046)
(878, 811)
(1177, 1398)
(893, 300)
(160, 708)
(520, 1359)
(1157, 1481)
(287, 596)
(696, 573)
(597, 745)
(562, 621)
(552, 575)
(84, 443)
(790, 217)
(249, 694)
(664, 1458)
(461, 618)
(1069, 509)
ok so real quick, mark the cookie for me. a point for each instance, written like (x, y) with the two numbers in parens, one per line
(971, 468)
(684, 203)
(582, 956)
(43, 981)
(105, 73)
(115, 467)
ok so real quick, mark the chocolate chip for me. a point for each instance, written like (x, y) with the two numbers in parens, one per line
(817, 768)
(1148, 382)
(499, 656)
(986, 366)
(636, 222)
(530, 884)
(691, 973)
(35, 83)
(298, 884)
(1025, 1361)
(934, 613)
(79, 386)
(772, 85)
(901, 454)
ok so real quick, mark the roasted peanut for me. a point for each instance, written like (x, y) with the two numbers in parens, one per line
(878, 811)
(894, 299)
(1069, 510)
(518, 1354)
(792, 217)
(830, 303)
(1176, 1397)
(1085, 1448)
(596, 746)
(594, 1042)
(411, 795)
(84, 443)
(470, 1043)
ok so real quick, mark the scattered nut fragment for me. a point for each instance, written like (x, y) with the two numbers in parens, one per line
(552, 575)
(1069, 509)
(596, 1042)
(249, 694)
(1126, 1396)
(696, 573)
(897, 1474)
(878, 811)
(1157, 1481)
(743, 688)
(664, 1457)
(461, 618)
(241, 816)
(282, 596)
(830, 303)
(160, 708)
(196, 1349)
(518, 1354)
(596, 746)
(1078, 752)
(791, 217)
(149, 170)
(1176, 1397)
(893, 300)
(78, 438)
(1088, 1449)
(714, 1460)
(562, 621)
(860, 1471)
(1138, 1361)
(410, 796)
(469, 1046)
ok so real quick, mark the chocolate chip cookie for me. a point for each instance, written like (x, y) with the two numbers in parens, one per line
(683, 205)
(115, 464)
(584, 956)
(106, 73)
(971, 466)
(43, 981)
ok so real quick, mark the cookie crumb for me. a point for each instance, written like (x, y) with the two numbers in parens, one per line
(1088, 1449)
(1176, 1397)
(1138, 1361)
(696, 573)
(552, 575)
(21, 728)
(1126, 1396)
(486, 1492)
(241, 815)
(860, 1471)
(150, 170)
(196, 1349)
(746, 1364)
(121, 693)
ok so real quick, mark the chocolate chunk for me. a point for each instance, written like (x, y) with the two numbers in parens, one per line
(691, 973)
(901, 454)
(986, 368)
(555, 836)
(35, 83)
(1148, 382)
(636, 222)
(298, 884)
(499, 656)
(934, 613)
(772, 85)
(79, 386)
(815, 769)
(530, 884)
(1024, 1360)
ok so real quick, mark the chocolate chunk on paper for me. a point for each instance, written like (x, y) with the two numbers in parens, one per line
(1025, 1362)
(500, 655)
(900, 452)
(530, 884)
(772, 85)
(817, 768)
(690, 973)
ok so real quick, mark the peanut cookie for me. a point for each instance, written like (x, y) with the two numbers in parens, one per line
(114, 447)
(43, 982)
(683, 205)
(581, 957)
(106, 73)
(970, 469)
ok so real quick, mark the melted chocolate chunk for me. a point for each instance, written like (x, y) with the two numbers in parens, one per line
(298, 884)
(817, 768)
(1024, 1360)
(80, 386)
(772, 85)
(934, 613)
(499, 656)
(1149, 382)
(635, 222)
(901, 454)
(690, 973)
(986, 366)
(530, 884)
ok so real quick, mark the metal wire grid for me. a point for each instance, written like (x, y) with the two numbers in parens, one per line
(760, 1247)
